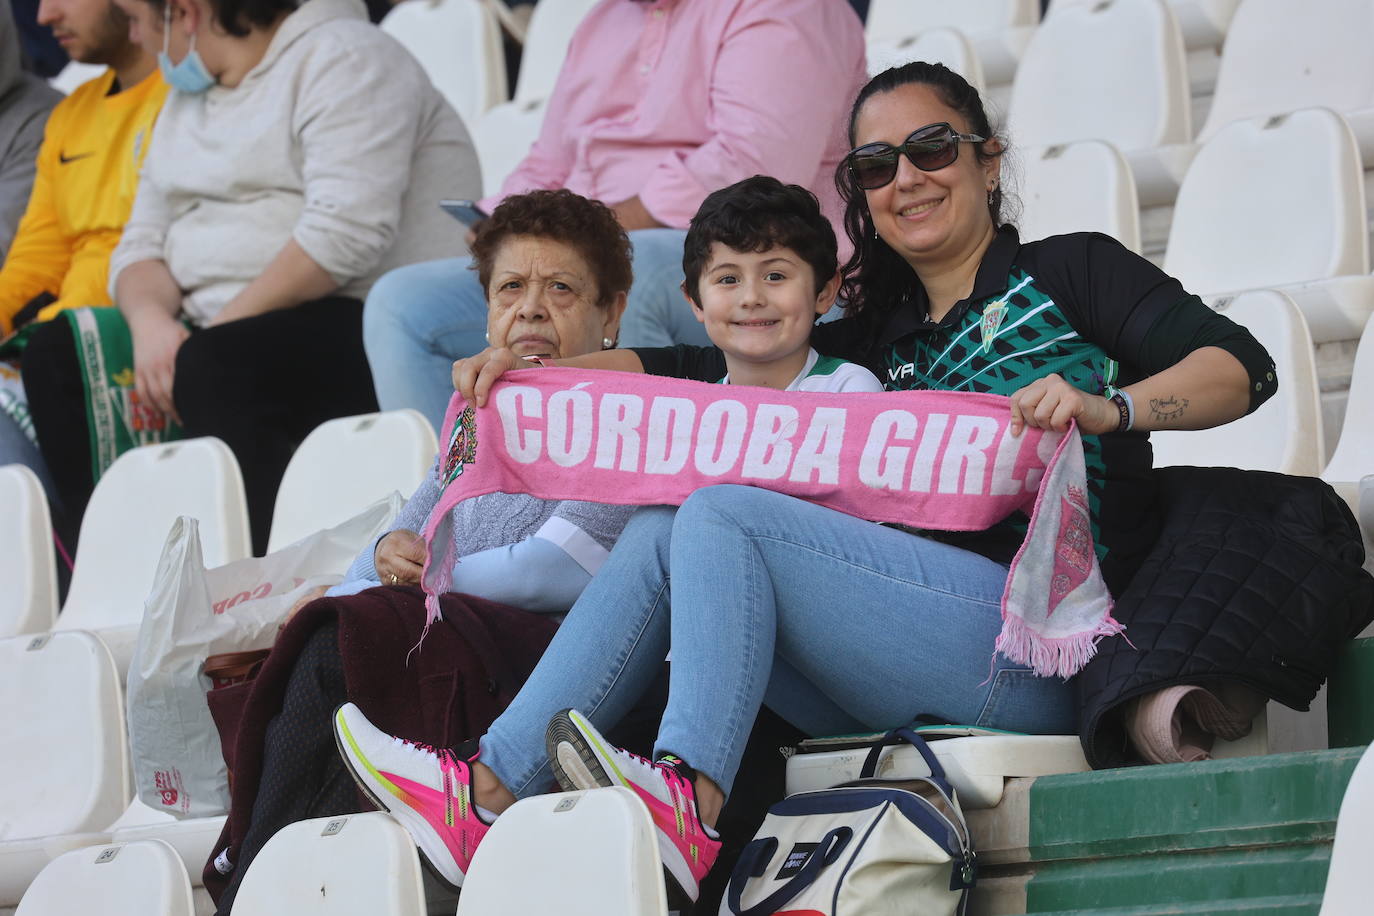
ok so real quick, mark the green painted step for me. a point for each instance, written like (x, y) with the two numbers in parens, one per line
(1194, 882)
(1274, 906)
(1350, 698)
(1248, 835)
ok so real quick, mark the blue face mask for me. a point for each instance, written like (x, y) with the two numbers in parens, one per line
(190, 75)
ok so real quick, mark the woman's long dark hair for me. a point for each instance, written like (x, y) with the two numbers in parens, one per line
(877, 280)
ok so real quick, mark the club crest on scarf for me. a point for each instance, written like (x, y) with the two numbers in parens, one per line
(462, 446)
(1073, 554)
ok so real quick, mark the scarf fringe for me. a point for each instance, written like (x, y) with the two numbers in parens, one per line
(1047, 656)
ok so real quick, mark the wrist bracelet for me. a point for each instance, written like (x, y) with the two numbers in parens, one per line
(1130, 407)
(1125, 408)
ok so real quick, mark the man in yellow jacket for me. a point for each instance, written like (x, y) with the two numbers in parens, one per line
(88, 166)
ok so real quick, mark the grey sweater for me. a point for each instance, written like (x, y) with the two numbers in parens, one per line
(25, 101)
(531, 553)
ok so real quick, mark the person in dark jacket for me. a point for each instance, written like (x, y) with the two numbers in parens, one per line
(840, 624)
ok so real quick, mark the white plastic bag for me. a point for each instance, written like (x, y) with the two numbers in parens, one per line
(194, 612)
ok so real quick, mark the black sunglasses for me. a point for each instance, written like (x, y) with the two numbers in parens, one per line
(929, 148)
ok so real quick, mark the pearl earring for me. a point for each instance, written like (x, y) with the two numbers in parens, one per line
(607, 343)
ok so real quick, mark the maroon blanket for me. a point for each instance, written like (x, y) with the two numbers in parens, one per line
(450, 689)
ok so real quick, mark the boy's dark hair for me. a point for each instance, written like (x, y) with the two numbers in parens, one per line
(757, 214)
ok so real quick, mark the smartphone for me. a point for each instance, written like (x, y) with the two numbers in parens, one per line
(465, 211)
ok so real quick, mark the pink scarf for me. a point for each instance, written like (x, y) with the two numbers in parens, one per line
(928, 459)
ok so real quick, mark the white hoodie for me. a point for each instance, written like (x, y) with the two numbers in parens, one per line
(336, 139)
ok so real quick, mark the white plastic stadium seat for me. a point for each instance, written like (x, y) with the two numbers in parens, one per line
(940, 46)
(28, 600)
(191, 838)
(1080, 187)
(546, 44)
(64, 773)
(1203, 22)
(126, 524)
(887, 18)
(503, 137)
(1347, 888)
(134, 879)
(999, 29)
(595, 851)
(977, 766)
(356, 865)
(1282, 56)
(74, 74)
(1285, 434)
(458, 43)
(1353, 459)
(347, 464)
(1238, 226)
(1113, 71)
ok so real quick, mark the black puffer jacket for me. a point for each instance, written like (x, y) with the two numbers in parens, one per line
(1255, 579)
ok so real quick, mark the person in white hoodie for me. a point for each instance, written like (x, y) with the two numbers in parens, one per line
(300, 155)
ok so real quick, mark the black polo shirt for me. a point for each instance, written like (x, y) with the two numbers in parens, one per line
(1080, 305)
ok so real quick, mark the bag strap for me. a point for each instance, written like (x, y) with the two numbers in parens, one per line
(231, 665)
(908, 736)
(754, 860)
(901, 736)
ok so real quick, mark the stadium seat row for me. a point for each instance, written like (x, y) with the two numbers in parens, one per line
(62, 690)
(340, 468)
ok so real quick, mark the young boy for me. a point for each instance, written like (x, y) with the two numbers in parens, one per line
(760, 266)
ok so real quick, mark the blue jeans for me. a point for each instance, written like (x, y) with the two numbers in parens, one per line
(838, 624)
(419, 319)
(16, 448)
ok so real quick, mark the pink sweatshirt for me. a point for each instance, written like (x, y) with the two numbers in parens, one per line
(672, 99)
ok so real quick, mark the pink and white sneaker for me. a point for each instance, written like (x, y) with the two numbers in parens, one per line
(427, 790)
(582, 759)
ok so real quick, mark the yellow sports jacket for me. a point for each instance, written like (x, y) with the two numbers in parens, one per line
(87, 174)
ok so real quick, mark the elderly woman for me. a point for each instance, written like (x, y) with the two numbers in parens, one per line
(556, 285)
(298, 157)
(556, 268)
(838, 624)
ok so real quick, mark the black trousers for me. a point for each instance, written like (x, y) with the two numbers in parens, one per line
(261, 384)
(302, 773)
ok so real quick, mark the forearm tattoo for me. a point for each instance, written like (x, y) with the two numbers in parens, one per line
(1168, 410)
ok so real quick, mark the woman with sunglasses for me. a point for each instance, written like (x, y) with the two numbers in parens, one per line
(838, 624)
